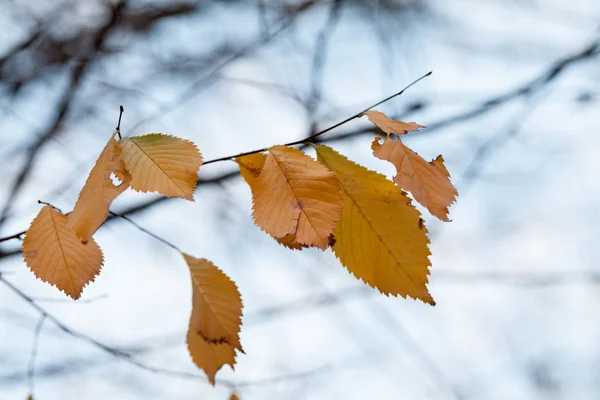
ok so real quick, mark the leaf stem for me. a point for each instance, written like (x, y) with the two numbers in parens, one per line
(314, 135)
(121, 109)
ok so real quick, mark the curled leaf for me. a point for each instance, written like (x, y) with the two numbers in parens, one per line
(389, 125)
(210, 357)
(429, 182)
(99, 191)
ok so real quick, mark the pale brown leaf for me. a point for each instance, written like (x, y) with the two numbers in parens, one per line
(162, 163)
(295, 195)
(216, 303)
(98, 193)
(429, 182)
(250, 168)
(389, 125)
(56, 256)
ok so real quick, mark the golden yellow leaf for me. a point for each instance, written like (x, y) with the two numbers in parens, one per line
(429, 182)
(216, 303)
(55, 254)
(295, 195)
(250, 168)
(99, 192)
(380, 238)
(389, 125)
(234, 396)
(162, 163)
(210, 357)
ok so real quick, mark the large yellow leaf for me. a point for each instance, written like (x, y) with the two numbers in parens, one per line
(210, 357)
(295, 195)
(99, 192)
(162, 163)
(380, 238)
(55, 254)
(389, 125)
(216, 303)
(429, 182)
(250, 168)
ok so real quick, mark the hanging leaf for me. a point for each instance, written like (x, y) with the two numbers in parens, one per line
(162, 163)
(380, 238)
(429, 182)
(295, 195)
(99, 192)
(389, 125)
(216, 303)
(210, 357)
(56, 256)
(250, 168)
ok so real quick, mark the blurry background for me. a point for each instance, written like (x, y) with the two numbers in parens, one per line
(513, 106)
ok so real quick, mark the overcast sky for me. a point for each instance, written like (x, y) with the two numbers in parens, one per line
(527, 208)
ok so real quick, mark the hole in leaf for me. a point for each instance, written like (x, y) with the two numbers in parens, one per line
(116, 180)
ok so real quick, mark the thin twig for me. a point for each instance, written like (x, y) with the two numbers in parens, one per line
(315, 135)
(121, 109)
(141, 228)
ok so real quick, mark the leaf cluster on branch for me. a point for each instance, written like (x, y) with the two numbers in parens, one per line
(367, 220)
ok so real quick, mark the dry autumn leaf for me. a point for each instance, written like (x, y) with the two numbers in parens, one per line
(234, 396)
(162, 163)
(250, 168)
(389, 125)
(210, 357)
(295, 195)
(213, 333)
(429, 182)
(380, 238)
(56, 256)
(99, 192)
(216, 303)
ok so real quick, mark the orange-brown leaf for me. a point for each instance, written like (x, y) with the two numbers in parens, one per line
(99, 192)
(250, 168)
(210, 357)
(56, 256)
(429, 182)
(234, 396)
(380, 238)
(295, 195)
(162, 163)
(216, 303)
(389, 125)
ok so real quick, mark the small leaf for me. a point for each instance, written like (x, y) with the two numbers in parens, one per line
(380, 237)
(429, 182)
(295, 195)
(250, 168)
(99, 192)
(162, 163)
(216, 303)
(56, 256)
(389, 125)
(234, 396)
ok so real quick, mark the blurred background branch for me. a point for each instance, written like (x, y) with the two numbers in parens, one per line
(513, 108)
